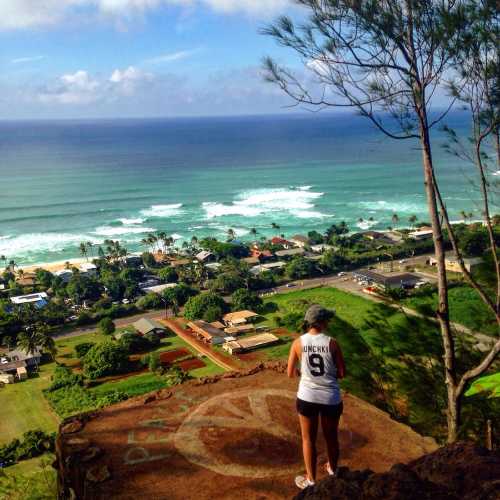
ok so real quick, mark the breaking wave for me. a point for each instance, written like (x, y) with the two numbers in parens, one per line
(162, 210)
(298, 202)
(119, 231)
(127, 222)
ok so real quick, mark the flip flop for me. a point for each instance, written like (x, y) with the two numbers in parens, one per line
(302, 482)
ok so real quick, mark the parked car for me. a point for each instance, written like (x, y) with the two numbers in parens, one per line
(290, 285)
(342, 273)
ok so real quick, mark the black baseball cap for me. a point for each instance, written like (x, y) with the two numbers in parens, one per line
(317, 314)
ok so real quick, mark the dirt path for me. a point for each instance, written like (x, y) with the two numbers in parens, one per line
(201, 348)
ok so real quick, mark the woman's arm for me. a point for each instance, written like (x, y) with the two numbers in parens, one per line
(293, 358)
(339, 358)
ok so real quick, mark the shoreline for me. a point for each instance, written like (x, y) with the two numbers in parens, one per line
(58, 265)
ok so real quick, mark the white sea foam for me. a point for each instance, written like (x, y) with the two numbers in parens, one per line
(367, 224)
(309, 214)
(260, 202)
(163, 210)
(398, 207)
(304, 188)
(176, 236)
(137, 220)
(26, 244)
(121, 230)
(497, 173)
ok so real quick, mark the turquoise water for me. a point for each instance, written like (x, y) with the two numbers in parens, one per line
(67, 182)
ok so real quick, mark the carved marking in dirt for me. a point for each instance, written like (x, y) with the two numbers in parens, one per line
(203, 421)
(157, 430)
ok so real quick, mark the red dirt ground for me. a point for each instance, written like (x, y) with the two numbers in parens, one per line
(191, 364)
(234, 436)
(171, 356)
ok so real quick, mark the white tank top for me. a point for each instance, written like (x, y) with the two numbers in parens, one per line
(318, 372)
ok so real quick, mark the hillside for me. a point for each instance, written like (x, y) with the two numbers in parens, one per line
(230, 436)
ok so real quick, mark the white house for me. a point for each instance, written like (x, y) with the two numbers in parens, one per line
(39, 300)
(64, 274)
(88, 269)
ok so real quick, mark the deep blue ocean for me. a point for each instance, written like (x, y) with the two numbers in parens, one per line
(64, 182)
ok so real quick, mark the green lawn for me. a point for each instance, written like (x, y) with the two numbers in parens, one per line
(466, 308)
(23, 406)
(33, 479)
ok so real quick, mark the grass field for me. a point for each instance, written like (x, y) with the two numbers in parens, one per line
(466, 308)
(33, 479)
(23, 407)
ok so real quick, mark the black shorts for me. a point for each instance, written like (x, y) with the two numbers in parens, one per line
(312, 410)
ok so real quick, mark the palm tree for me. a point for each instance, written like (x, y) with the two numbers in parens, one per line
(274, 225)
(412, 219)
(253, 231)
(90, 247)
(12, 265)
(360, 220)
(394, 219)
(370, 219)
(83, 250)
(231, 234)
(2, 257)
(194, 241)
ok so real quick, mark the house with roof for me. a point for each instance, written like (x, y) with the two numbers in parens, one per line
(290, 253)
(207, 332)
(271, 266)
(205, 256)
(250, 343)
(27, 359)
(421, 234)
(39, 299)
(299, 240)
(451, 263)
(277, 240)
(403, 280)
(158, 288)
(27, 279)
(146, 325)
(64, 275)
(88, 269)
(322, 248)
(239, 317)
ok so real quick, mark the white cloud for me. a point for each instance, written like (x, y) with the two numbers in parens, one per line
(20, 60)
(75, 88)
(171, 57)
(82, 88)
(23, 14)
(126, 81)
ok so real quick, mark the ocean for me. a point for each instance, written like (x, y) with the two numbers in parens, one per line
(64, 182)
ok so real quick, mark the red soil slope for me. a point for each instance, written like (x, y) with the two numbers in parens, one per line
(234, 436)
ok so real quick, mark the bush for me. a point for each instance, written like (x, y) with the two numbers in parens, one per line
(132, 343)
(106, 326)
(33, 444)
(299, 268)
(176, 376)
(150, 301)
(153, 338)
(152, 361)
(107, 358)
(84, 318)
(180, 293)
(64, 377)
(244, 299)
(168, 275)
(83, 348)
(213, 313)
(197, 307)
(71, 400)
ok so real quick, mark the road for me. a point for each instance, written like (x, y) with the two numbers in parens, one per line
(119, 322)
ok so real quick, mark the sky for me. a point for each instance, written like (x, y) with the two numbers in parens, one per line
(137, 58)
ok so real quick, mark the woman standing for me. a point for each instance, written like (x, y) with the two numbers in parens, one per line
(321, 365)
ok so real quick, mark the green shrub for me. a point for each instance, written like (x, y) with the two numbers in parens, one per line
(82, 348)
(176, 376)
(245, 299)
(196, 307)
(33, 444)
(64, 377)
(71, 400)
(132, 343)
(107, 358)
(106, 326)
(153, 338)
(84, 318)
(150, 301)
(213, 313)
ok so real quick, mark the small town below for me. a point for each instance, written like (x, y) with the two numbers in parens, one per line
(114, 326)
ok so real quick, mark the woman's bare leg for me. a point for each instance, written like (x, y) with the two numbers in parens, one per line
(309, 430)
(330, 428)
